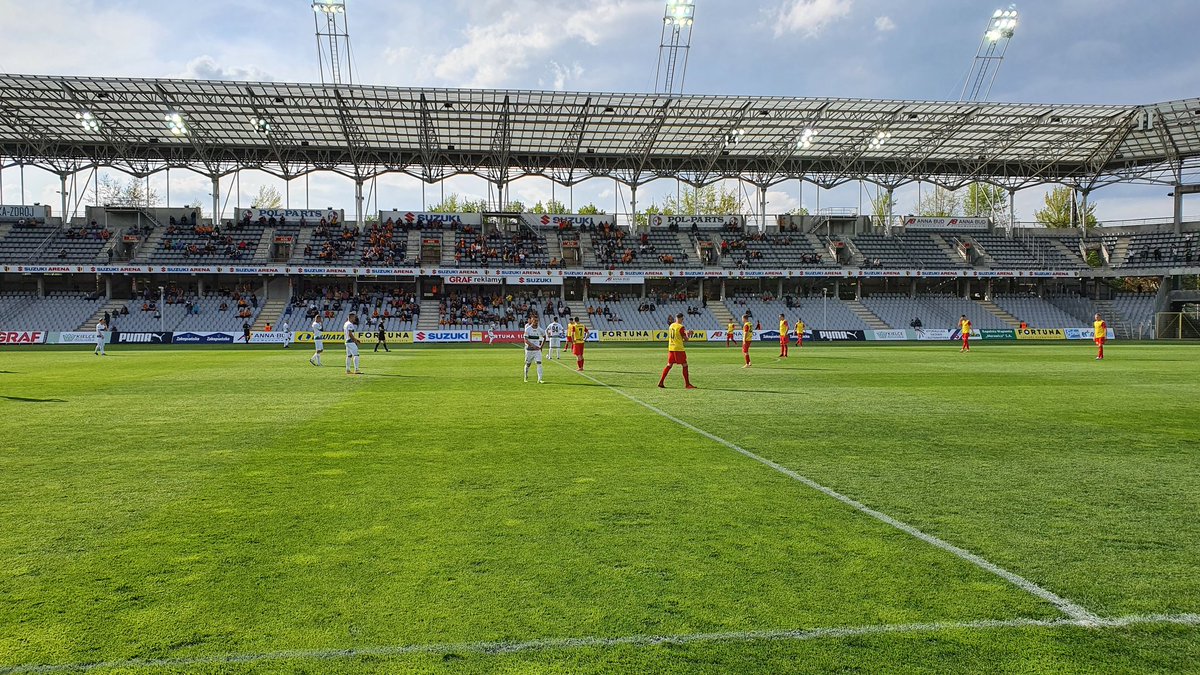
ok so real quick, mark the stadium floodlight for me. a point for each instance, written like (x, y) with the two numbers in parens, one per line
(1001, 27)
(328, 7)
(675, 42)
(87, 120)
(680, 12)
(805, 141)
(261, 124)
(880, 137)
(175, 123)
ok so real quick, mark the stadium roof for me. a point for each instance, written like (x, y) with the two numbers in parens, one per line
(290, 129)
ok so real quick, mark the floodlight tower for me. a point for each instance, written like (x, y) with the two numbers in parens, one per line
(990, 55)
(333, 41)
(676, 38)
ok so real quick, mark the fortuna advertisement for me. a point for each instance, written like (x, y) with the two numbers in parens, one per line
(491, 337)
(400, 337)
(1041, 334)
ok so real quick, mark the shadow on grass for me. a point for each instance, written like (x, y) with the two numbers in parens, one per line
(22, 399)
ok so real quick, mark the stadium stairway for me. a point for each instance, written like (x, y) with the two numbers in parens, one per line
(262, 254)
(951, 253)
(721, 312)
(112, 307)
(110, 245)
(1119, 253)
(1120, 325)
(429, 317)
(588, 251)
(984, 257)
(553, 245)
(995, 310)
(147, 248)
(5, 228)
(868, 317)
(414, 245)
(270, 312)
(302, 240)
(449, 240)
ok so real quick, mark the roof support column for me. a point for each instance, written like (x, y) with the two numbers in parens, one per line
(1083, 211)
(1178, 220)
(633, 208)
(216, 195)
(887, 226)
(358, 202)
(762, 213)
(1011, 225)
(62, 193)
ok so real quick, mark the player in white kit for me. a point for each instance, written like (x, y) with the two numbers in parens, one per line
(100, 328)
(287, 335)
(348, 331)
(555, 332)
(318, 341)
(535, 338)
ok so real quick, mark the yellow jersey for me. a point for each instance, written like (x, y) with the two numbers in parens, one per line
(676, 337)
(965, 325)
(747, 332)
(580, 333)
(732, 328)
(783, 328)
(1101, 329)
(799, 328)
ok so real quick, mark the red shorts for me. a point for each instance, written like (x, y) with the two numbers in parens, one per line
(577, 348)
(1101, 339)
(746, 347)
(676, 358)
(784, 340)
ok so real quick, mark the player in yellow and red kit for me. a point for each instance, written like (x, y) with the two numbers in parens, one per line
(964, 324)
(580, 336)
(747, 338)
(1100, 336)
(783, 337)
(677, 337)
(799, 332)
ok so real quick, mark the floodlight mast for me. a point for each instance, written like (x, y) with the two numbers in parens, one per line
(992, 47)
(333, 41)
(676, 41)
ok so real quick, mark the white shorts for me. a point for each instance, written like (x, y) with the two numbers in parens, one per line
(533, 356)
(99, 342)
(554, 343)
(351, 349)
(319, 345)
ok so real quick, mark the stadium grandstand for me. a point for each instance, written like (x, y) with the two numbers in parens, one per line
(488, 270)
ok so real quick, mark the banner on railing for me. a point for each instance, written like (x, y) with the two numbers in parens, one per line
(458, 279)
(418, 218)
(997, 334)
(18, 213)
(702, 222)
(294, 216)
(567, 220)
(934, 223)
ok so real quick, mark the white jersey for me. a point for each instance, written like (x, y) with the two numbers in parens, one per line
(284, 327)
(318, 332)
(554, 330)
(535, 336)
(100, 328)
(348, 329)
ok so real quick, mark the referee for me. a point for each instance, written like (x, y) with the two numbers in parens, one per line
(381, 339)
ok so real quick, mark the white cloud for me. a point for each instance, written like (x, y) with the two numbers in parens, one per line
(502, 43)
(206, 67)
(884, 24)
(809, 17)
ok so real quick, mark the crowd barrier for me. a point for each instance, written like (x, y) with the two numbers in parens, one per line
(154, 338)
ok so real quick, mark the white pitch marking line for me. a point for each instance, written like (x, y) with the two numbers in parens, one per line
(1068, 607)
(550, 644)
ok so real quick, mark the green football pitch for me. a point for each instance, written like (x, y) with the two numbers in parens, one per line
(1022, 508)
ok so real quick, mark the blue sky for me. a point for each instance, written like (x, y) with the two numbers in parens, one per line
(1094, 51)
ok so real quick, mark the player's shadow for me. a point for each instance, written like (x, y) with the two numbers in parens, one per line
(403, 377)
(576, 383)
(22, 399)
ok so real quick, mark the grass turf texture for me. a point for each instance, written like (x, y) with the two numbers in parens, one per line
(192, 504)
